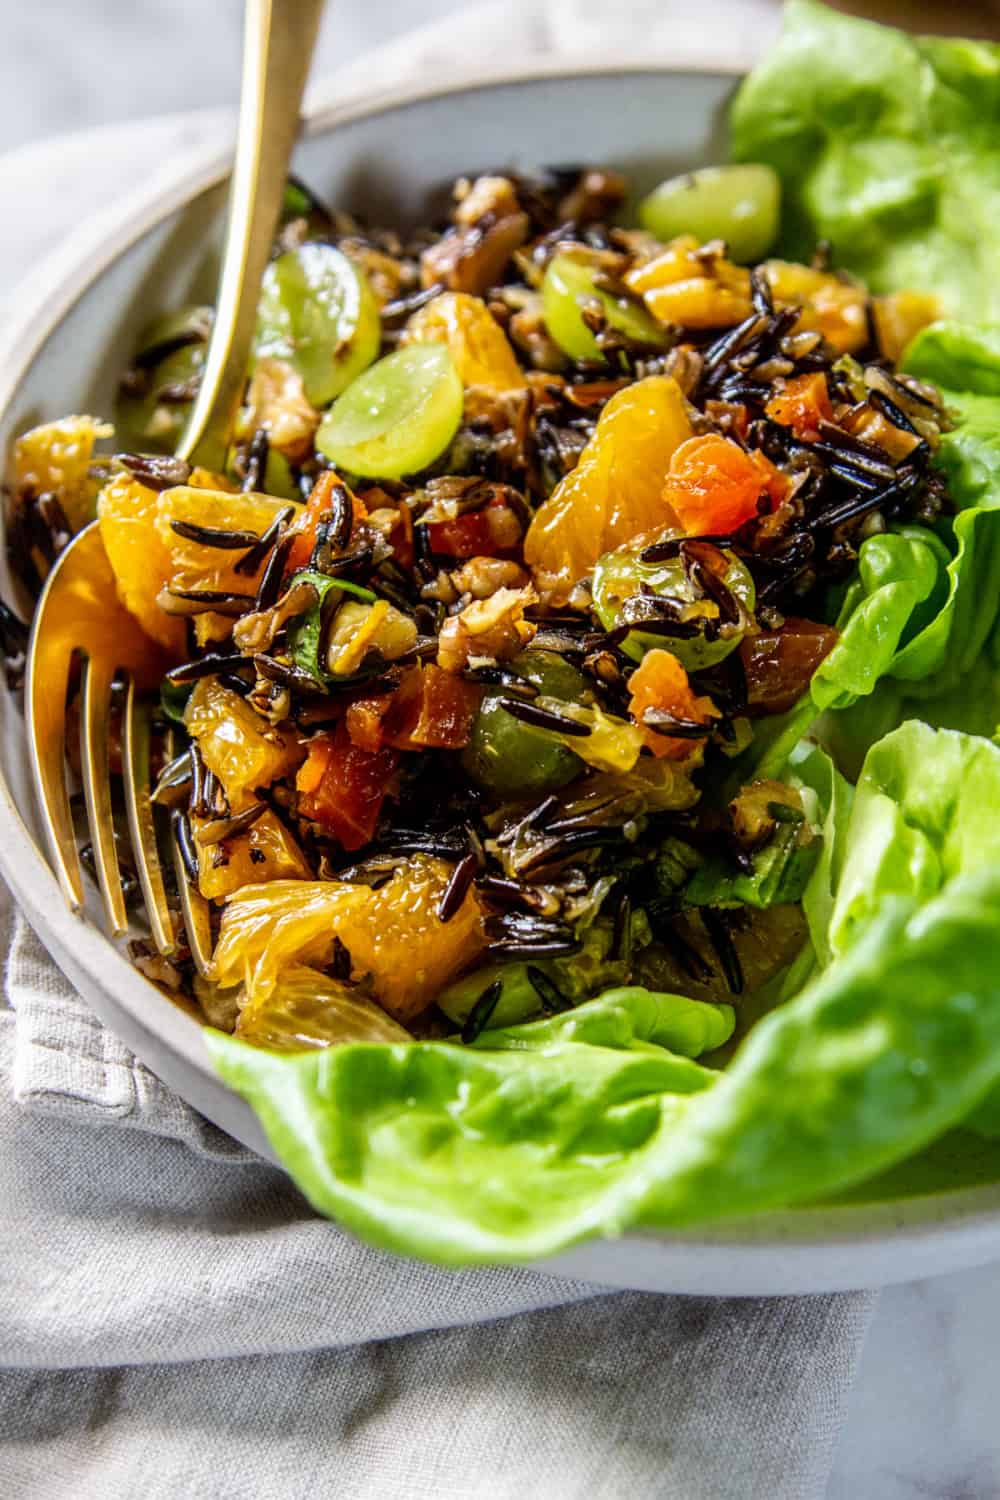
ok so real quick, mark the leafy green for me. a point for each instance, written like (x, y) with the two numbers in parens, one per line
(304, 634)
(885, 144)
(886, 1048)
(920, 624)
(173, 699)
(538, 1134)
(529, 1139)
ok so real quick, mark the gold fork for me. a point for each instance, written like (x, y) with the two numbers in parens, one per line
(78, 613)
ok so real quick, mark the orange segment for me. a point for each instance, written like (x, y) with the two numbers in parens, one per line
(56, 457)
(616, 490)
(266, 851)
(126, 511)
(477, 344)
(308, 1010)
(240, 747)
(147, 554)
(692, 289)
(900, 316)
(399, 942)
(267, 927)
(834, 308)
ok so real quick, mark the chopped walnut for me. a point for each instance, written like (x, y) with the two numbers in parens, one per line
(277, 402)
(256, 632)
(388, 277)
(483, 576)
(487, 195)
(493, 627)
(472, 259)
(597, 195)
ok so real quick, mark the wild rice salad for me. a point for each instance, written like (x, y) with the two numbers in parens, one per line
(532, 527)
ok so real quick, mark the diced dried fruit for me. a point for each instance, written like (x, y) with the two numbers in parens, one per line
(478, 345)
(478, 533)
(342, 787)
(431, 709)
(714, 486)
(660, 683)
(236, 744)
(779, 664)
(319, 504)
(399, 942)
(308, 1010)
(615, 492)
(801, 403)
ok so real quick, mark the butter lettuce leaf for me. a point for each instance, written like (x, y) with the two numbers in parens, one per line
(538, 1135)
(885, 144)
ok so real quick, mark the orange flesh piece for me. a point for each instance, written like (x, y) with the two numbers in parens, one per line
(615, 492)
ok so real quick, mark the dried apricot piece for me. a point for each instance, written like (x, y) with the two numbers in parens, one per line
(660, 684)
(713, 485)
(801, 403)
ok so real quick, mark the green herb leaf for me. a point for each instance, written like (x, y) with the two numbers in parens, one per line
(304, 634)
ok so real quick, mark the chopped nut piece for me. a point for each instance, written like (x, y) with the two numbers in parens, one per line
(256, 632)
(487, 195)
(493, 627)
(277, 402)
(483, 576)
(471, 260)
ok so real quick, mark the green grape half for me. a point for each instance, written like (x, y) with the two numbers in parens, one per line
(738, 204)
(318, 314)
(396, 418)
(568, 285)
(619, 574)
(507, 756)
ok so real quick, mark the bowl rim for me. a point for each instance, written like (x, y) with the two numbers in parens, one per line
(863, 1240)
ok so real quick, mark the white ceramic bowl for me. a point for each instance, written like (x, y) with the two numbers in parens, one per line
(71, 339)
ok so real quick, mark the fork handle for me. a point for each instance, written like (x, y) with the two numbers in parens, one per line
(279, 37)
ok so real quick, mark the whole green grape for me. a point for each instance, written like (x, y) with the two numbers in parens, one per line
(739, 204)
